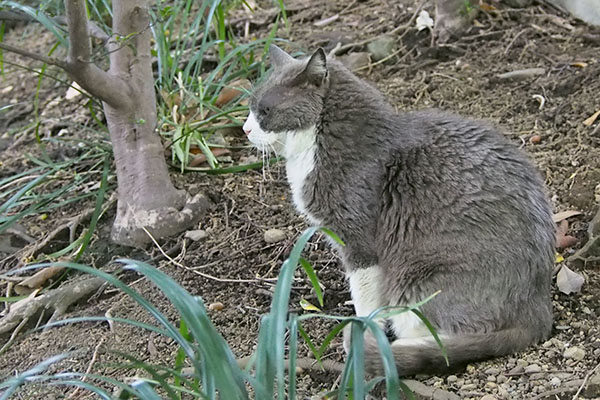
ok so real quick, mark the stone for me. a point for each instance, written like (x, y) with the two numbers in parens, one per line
(354, 61)
(574, 353)
(196, 235)
(519, 369)
(533, 369)
(451, 378)
(381, 48)
(274, 236)
(492, 371)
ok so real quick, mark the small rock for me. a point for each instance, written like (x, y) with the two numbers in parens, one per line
(488, 397)
(381, 48)
(501, 379)
(274, 236)
(535, 139)
(491, 385)
(196, 235)
(522, 363)
(468, 386)
(216, 306)
(451, 378)
(354, 61)
(503, 393)
(470, 369)
(533, 369)
(575, 353)
(555, 382)
(517, 370)
(492, 371)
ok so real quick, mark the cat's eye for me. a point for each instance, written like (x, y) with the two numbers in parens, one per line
(263, 111)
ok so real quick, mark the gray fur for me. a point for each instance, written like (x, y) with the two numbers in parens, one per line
(440, 202)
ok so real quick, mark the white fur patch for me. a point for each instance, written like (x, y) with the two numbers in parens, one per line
(299, 152)
(408, 326)
(367, 296)
(365, 288)
(298, 147)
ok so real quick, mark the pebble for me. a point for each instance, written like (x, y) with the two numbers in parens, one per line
(196, 235)
(517, 370)
(468, 386)
(503, 393)
(216, 306)
(555, 382)
(575, 353)
(492, 371)
(358, 60)
(274, 236)
(532, 369)
(451, 378)
(381, 48)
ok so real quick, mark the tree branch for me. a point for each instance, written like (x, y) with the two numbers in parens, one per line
(98, 82)
(35, 56)
(80, 49)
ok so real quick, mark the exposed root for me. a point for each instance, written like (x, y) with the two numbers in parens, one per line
(590, 252)
(57, 300)
(132, 227)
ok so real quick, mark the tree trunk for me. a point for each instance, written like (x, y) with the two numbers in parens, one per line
(148, 203)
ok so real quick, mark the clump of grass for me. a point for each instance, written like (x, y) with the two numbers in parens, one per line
(213, 371)
(203, 74)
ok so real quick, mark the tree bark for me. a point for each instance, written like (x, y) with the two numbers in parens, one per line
(148, 203)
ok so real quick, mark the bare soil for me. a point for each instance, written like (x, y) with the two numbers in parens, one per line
(544, 114)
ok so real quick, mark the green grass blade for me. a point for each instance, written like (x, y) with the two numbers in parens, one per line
(314, 280)
(97, 210)
(40, 17)
(358, 361)
(433, 333)
(145, 390)
(216, 354)
(292, 355)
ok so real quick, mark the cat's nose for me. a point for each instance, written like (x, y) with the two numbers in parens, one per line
(247, 131)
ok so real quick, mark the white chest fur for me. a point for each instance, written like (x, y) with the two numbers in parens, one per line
(300, 150)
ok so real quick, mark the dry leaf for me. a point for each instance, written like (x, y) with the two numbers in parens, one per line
(308, 306)
(424, 21)
(487, 7)
(564, 215)
(562, 239)
(592, 119)
(37, 280)
(568, 281)
(201, 158)
(232, 92)
(579, 64)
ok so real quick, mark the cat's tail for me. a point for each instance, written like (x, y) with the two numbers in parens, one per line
(423, 355)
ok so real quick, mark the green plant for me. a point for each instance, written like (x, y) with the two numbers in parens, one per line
(203, 74)
(214, 372)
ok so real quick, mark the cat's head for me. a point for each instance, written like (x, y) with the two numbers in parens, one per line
(289, 101)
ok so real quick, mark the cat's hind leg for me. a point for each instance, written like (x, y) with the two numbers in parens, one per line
(366, 289)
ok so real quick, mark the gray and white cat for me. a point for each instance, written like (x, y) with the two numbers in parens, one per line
(424, 201)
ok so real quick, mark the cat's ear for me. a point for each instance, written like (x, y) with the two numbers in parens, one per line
(316, 68)
(279, 57)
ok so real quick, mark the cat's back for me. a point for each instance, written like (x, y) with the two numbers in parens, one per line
(446, 168)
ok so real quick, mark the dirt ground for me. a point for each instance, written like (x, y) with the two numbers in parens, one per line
(234, 265)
